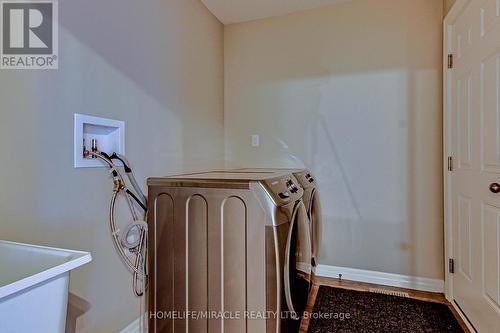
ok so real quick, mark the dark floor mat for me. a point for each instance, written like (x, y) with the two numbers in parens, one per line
(347, 311)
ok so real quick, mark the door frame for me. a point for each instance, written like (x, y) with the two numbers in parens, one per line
(449, 20)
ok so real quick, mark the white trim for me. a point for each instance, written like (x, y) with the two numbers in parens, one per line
(448, 232)
(387, 279)
(133, 327)
(450, 19)
(456, 10)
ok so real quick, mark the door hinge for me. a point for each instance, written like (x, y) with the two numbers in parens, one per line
(450, 61)
(451, 266)
(450, 163)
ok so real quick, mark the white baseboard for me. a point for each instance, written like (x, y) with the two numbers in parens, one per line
(386, 279)
(133, 327)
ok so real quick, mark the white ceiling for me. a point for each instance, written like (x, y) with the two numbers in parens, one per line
(234, 11)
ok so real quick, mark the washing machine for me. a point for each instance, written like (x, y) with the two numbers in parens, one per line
(311, 200)
(228, 251)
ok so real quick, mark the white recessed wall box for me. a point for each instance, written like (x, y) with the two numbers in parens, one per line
(108, 133)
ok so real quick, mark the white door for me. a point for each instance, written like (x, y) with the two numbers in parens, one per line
(473, 128)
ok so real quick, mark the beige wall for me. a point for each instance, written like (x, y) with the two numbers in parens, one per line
(156, 65)
(353, 92)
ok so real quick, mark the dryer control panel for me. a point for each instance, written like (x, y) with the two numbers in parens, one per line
(306, 179)
(284, 189)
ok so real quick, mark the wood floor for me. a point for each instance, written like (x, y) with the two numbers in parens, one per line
(360, 286)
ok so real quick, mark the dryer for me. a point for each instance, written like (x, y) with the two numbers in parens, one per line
(311, 200)
(313, 205)
(231, 243)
